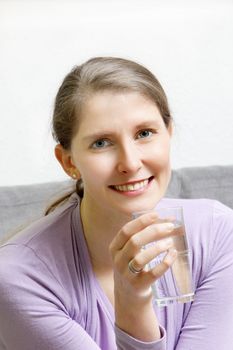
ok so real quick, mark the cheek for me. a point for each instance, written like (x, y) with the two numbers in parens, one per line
(96, 168)
(160, 155)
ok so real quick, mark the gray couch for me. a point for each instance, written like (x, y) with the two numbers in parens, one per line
(19, 205)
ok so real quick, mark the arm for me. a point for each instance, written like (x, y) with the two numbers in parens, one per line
(134, 312)
(32, 312)
(210, 320)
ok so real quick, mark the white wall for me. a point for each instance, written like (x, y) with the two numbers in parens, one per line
(187, 44)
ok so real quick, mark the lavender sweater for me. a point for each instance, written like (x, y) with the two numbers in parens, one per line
(50, 298)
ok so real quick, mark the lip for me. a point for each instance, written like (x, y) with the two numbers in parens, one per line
(136, 192)
(132, 182)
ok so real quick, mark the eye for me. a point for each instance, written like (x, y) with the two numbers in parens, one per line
(102, 143)
(144, 134)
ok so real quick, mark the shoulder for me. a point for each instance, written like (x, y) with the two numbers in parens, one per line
(44, 247)
(209, 228)
(42, 261)
(48, 227)
(204, 211)
(205, 219)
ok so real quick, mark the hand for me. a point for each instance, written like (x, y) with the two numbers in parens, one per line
(127, 247)
(133, 307)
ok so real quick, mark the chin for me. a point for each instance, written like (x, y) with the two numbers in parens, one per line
(139, 205)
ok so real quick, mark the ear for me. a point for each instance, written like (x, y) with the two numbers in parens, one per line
(64, 158)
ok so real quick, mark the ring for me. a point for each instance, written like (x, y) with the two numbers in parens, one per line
(132, 268)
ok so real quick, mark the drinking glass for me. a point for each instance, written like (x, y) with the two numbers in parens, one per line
(176, 283)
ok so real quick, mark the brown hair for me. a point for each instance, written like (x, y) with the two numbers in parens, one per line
(96, 75)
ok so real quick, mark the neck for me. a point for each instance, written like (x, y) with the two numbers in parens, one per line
(100, 227)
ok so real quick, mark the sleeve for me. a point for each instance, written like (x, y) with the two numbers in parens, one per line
(32, 311)
(209, 322)
(33, 314)
(126, 342)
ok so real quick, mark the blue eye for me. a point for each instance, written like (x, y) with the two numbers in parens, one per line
(100, 144)
(144, 134)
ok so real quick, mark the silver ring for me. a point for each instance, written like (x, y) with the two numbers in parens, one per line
(132, 268)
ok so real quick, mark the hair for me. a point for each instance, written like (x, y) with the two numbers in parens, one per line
(100, 74)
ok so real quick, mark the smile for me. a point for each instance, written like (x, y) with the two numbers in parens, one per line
(132, 186)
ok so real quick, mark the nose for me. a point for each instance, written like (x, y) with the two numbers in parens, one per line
(129, 159)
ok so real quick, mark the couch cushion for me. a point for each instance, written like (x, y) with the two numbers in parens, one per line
(214, 182)
(19, 205)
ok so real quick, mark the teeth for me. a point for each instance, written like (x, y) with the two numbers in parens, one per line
(132, 187)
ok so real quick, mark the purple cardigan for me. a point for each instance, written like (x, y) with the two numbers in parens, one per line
(51, 299)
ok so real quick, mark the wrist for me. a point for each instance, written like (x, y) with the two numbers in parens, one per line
(137, 318)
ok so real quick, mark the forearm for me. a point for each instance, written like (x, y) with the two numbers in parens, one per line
(137, 318)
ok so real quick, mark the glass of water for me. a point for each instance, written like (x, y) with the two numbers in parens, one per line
(176, 284)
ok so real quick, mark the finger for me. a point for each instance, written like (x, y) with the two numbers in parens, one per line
(149, 253)
(159, 270)
(152, 233)
(131, 228)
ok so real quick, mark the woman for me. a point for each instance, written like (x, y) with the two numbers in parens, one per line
(76, 279)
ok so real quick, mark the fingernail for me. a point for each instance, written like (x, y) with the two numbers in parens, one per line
(170, 226)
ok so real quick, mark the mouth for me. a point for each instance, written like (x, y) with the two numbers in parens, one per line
(132, 186)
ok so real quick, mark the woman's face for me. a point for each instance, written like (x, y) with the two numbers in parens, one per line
(121, 150)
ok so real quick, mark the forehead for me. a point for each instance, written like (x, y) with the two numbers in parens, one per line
(111, 108)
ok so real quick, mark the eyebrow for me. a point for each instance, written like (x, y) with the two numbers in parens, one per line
(108, 133)
(98, 135)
